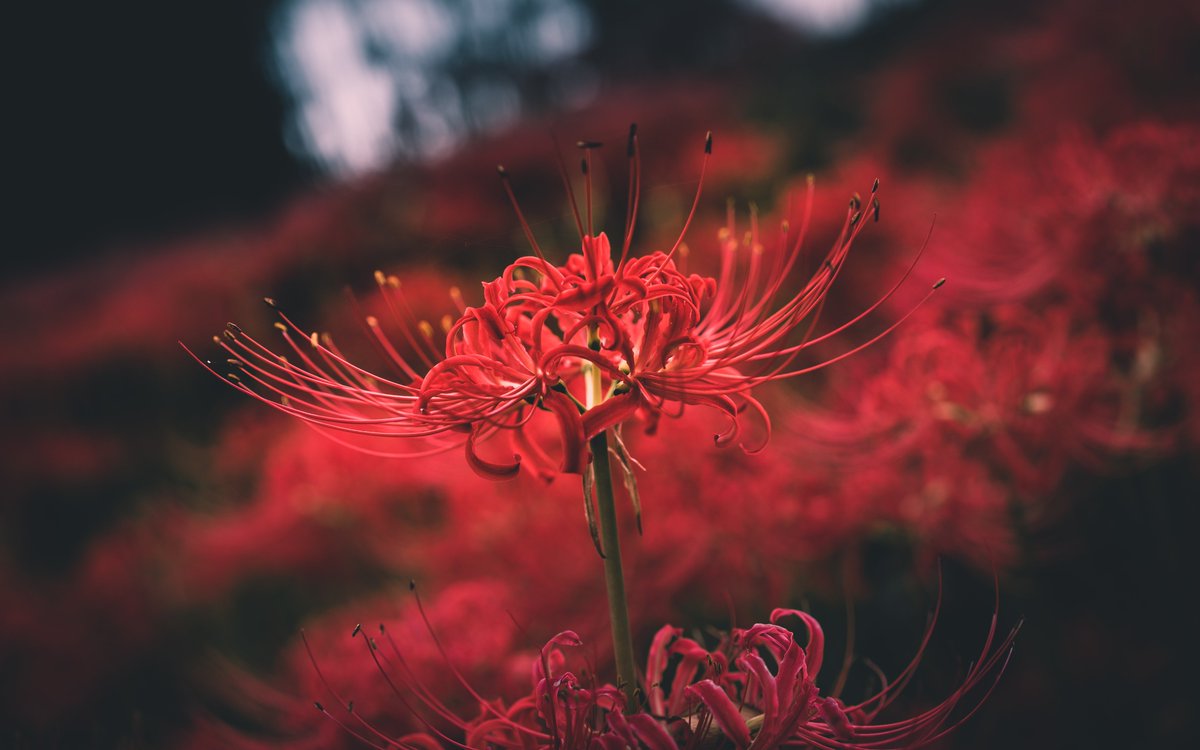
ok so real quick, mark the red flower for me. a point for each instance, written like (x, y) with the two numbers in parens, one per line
(593, 342)
(757, 688)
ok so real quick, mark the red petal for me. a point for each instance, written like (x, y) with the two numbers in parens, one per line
(612, 412)
(489, 469)
(727, 716)
(570, 427)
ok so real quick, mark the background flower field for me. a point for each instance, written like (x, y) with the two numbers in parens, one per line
(162, 540)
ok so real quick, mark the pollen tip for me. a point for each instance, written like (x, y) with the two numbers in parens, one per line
(810, 179)
(708, 142)
(319, 706)
(412, 585)
(588, 144)
(939, 282)
(875, 186)
(372, 321)
(380, 279)
(233, 377)
(315, 340)
(447, 323)
(426, 328)
(875, 209)
(216, 339)
(270, 302)
(233, 327)
(280, 327)
(500, 170)
(357, 630)
(393, 281)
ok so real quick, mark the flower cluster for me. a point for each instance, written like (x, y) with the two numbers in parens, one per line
(756, 688)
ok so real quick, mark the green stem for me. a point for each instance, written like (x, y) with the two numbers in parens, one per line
(614, 576)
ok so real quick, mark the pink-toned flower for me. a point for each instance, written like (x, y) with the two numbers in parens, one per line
(593, 342)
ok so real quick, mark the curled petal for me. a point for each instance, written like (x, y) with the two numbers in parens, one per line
(651, 732)
(724, 712)
(815, 649)
(834, 714)
(656, 667)
(769, 703)
(490, 469)
(570, 427)
(612, 412)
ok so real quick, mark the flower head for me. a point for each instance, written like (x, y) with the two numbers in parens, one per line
(757, 688)
(593, 342)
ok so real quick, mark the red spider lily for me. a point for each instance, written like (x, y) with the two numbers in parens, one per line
(593, 342)
(695, 697)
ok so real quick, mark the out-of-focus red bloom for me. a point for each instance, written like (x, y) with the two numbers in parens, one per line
(593, 342)
(693, 697)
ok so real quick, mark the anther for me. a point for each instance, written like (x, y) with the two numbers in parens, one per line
(227, 334)
(875, 209)
(708, 143)
(631, 146)
(217, 339)
(315, 340)
(319, 706)
(502, 171)
(447, 323)
(380, 279)
(233, 327)
(855, 202)
(280, 327)
(425, 328)
(270, 302)
(233, 377)
(875, 186)
(372, 321)
(412, 585)
(939, 282)
(357, 630)
(588, 144)
(583, 166)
